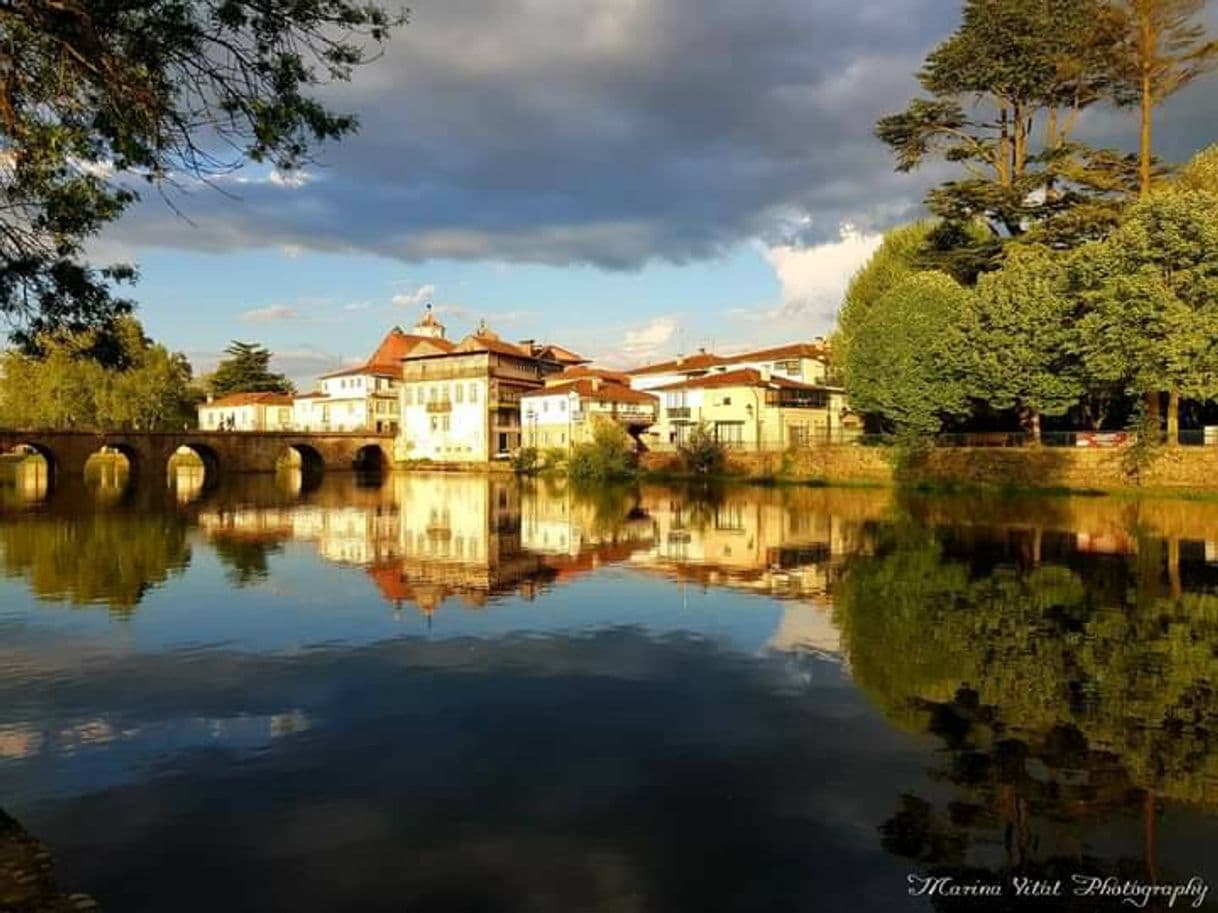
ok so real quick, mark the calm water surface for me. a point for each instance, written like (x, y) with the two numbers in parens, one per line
(443, 692)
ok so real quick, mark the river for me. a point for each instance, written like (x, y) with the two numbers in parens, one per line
(459, 692)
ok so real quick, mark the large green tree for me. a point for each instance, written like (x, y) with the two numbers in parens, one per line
(1150, 293)
(1023, 337)
(895, 260)
(247, 369)
(99, 96)
(1005, 93)
(907, 360)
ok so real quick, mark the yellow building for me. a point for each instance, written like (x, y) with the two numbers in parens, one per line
(247, 412)
(566, 411)
(463, 406)
(750, 409)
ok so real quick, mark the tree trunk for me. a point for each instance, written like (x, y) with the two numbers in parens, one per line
(1151, 402)
(1147, 41)
(1034, 425)
(1173, 418)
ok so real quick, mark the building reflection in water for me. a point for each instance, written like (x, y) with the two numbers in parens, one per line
(426, 538)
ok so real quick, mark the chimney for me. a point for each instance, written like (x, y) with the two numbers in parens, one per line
(680, 360)
(529, 345)
(211, 397)
(596, 383)
(701, 350)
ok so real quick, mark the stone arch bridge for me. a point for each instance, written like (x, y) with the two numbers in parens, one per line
(148, 452)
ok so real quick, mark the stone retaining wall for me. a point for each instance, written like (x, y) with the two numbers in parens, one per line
(1042, 467)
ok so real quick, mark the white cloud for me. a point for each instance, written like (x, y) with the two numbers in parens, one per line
(814, 278)
(642, 344)
(417, 298)
(271, 314)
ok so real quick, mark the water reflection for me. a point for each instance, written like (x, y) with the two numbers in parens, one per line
(1072, 686)
(826, 687)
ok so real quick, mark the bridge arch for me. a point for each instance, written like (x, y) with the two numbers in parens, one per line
(370, 458)
(111, 470)
(193, 468)
(34, 479)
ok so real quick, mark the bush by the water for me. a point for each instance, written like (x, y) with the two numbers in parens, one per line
(609, 455)
(527, 461)
(702, 453)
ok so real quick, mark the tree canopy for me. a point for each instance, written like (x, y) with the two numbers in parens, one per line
(907, 360)
(247, 369)
(100, 96)
(1005, 93)
(1150, 297)
(63, 388)
(1022, 338)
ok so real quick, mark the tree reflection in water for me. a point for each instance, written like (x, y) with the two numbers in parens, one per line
(1063, 700)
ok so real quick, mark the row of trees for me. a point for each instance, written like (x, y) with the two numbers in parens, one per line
(146, 387)
(1055, 277)
(64, 388)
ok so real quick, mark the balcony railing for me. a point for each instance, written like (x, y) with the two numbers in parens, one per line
(443, 405)
(678, 411)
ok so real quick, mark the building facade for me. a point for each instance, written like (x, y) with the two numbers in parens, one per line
(566, 411)
(247, 412)
(463, 406)
(750, 409)
(368, 397)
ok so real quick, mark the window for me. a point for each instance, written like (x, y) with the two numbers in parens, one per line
(444, 423)
(460, 393)
(435, 423)
(729, 433)
(562, 405)
(473, 392)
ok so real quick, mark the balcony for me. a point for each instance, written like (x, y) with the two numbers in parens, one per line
(444, 405)
(678, 411)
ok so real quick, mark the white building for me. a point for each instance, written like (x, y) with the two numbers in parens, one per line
(367, 397)
(463, 405)
(247, 412)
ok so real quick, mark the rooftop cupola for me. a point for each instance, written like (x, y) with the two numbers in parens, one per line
(428, 325)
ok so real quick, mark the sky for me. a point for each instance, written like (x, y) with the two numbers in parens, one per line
(628, 178)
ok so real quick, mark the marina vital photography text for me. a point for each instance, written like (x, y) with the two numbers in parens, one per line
(1120, 890)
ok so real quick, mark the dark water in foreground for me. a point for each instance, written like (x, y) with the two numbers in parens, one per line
(454, 693)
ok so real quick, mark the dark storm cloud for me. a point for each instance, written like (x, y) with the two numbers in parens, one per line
(602, 131)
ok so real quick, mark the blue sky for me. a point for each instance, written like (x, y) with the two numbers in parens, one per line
(630, 178)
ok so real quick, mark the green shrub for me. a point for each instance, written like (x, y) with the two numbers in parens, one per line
(609, 455)
(702, 453)
(526, 461)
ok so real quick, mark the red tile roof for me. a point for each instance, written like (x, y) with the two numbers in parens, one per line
(791, 350)
(587, 388)
(252, 399)
(698, 362)
(702, 361)
(562, 355)
(741, 377)
(386, 361)
(577, 371)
